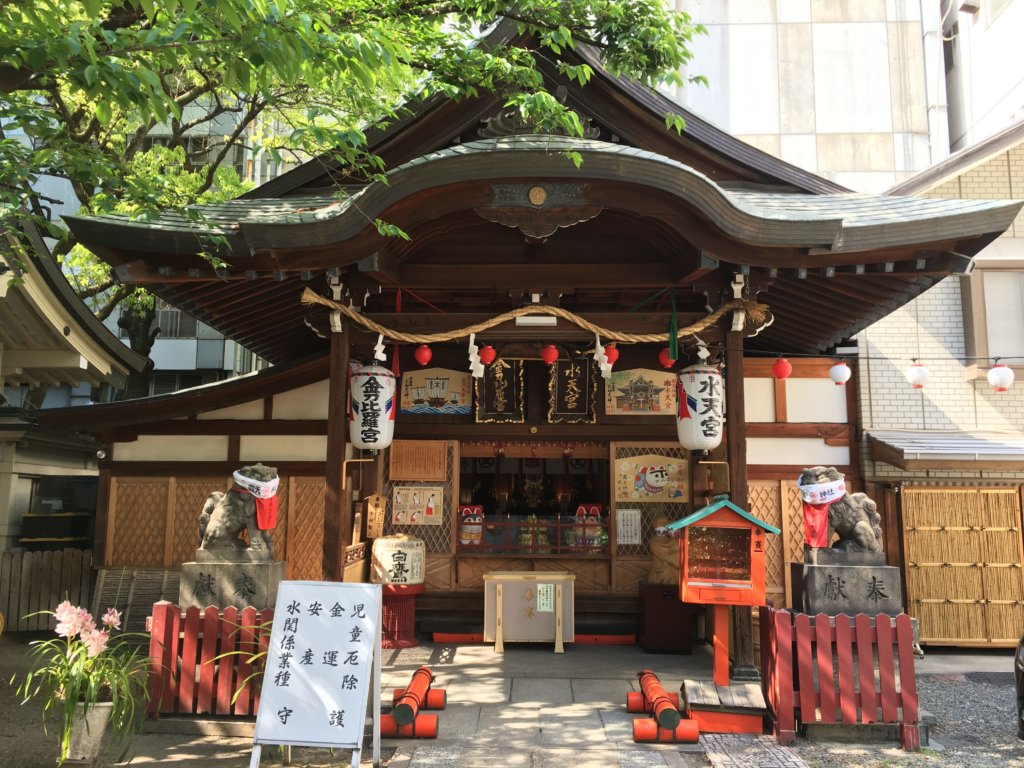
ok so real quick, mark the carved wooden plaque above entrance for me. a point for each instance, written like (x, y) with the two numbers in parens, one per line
(572, 390)
(538, 210)
(499, 393)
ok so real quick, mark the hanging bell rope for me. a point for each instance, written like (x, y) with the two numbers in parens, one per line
(757, 315)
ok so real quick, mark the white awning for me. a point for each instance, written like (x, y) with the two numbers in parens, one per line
(952, 449)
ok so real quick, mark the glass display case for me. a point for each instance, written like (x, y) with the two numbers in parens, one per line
(533, 506)
(530, 534)
(718, 554)
(722, 555)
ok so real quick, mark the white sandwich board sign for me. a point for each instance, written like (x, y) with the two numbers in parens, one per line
(322, 659)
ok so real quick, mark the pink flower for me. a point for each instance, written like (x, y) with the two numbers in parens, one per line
(112, 618)
(85, 622)
(95, 641)
(65, 615)
(72, 620)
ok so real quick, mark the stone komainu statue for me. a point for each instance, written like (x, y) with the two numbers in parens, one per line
(854, 517)
(226, 515)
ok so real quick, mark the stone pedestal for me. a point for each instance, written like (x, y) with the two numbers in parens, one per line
(833, 589)
(225, 579)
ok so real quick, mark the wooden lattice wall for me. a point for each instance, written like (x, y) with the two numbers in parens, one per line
(153, 522)
(962, 564)
(778, 502)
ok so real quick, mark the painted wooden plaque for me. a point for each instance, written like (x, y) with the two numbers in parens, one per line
(651, 478)
(639, 391)
(417, 505)
(437, 390)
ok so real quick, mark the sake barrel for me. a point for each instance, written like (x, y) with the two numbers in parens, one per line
(398, 559)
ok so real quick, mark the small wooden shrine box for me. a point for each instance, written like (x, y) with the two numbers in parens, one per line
(721, 558)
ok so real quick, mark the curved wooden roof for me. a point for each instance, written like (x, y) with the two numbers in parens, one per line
(649, 213)
(47, 335)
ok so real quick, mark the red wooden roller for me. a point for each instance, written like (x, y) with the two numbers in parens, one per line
(437, 698)
(422, 727)
(411, 702)
(645, 729)
(664, 711)
(636, 702)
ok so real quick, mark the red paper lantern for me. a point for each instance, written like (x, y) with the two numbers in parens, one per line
(612, 353)
(549, 354)
(487, 354)
(782, 368)
(664, 359)
(423, 354)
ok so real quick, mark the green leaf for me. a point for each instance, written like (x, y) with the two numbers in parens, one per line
(103, 112)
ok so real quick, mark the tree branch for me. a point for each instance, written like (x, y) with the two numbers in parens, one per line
(116, 298)
(94, 290)
(211, 170)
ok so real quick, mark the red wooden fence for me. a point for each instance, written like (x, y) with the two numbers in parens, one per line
(185, 674)
(809, 673)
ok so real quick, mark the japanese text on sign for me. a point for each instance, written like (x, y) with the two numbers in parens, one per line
(318, 666)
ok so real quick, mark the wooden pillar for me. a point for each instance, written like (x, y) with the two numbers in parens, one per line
(736, 434)
(337, 513)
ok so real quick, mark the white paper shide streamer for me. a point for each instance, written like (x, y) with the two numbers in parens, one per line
(475, 366)
(601, 358)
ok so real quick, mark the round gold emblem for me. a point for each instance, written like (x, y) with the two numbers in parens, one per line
(537, 195)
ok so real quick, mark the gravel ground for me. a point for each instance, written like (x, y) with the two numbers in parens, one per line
(976, 728)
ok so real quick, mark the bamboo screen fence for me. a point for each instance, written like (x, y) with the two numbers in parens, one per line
(154, 522)
(962, 564)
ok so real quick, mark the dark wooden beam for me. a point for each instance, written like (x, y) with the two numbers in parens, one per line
(383, 268)
(337, 513)
(736, 434)
(624, 275)
(832, 434)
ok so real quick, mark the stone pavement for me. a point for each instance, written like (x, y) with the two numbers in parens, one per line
(526, 708)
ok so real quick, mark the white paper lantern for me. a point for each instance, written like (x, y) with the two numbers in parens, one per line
(917, 375)
(840, 373)
(1000, 376)
(371, 407)
(700, 407)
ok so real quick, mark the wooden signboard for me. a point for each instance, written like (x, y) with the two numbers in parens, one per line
(322, 659)
(572, 390)
(651, 478)
(640, 391)
(437, 390)
(419, 460)
(375, 506)
(417, 505)
(499, 393)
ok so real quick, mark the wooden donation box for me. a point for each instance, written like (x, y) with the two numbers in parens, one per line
(529, 607)
(722, 555)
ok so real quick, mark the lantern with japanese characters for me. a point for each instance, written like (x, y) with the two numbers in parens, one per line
(371, 407)
(700, 408)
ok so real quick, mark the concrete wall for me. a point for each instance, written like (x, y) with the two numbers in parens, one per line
(986, 77)
(843, 88)
(932, 328)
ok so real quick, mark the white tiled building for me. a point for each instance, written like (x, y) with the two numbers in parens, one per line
(875, 94)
